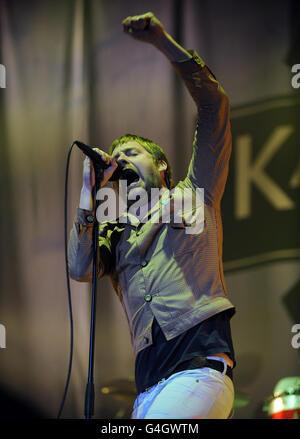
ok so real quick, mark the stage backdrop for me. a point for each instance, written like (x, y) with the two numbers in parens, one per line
(68, 72)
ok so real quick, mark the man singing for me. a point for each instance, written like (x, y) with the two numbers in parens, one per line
(169, 280)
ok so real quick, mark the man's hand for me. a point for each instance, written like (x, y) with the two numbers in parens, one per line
(145, 27)
(86, 201)
(148, 28)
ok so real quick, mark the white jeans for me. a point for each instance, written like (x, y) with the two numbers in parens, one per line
(190, 394)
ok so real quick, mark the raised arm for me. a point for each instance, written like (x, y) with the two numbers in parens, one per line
(212, 142)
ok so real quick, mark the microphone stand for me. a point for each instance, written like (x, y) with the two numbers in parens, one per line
(90, 393)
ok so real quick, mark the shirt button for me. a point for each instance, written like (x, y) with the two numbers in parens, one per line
(145, 339)
(144, 263)
(148, 297)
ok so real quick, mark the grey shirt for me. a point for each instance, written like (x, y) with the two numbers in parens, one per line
(159, 269)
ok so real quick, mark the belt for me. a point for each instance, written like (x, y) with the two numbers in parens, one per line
(214, 362)
(219, 365)
(200, 362)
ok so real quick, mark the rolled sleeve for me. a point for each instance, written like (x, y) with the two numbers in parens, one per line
(80, 251)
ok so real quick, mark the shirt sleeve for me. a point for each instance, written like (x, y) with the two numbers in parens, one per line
(208, 167)
(80, 251)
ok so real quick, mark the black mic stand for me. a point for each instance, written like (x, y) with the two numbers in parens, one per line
(90, 393)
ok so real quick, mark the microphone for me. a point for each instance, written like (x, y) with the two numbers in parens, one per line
(98, 161)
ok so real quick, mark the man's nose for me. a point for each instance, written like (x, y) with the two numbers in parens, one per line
(123, 159)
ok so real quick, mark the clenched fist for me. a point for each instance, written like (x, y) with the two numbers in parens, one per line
(145, 27)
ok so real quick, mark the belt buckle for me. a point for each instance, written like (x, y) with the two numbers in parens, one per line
(221, 359)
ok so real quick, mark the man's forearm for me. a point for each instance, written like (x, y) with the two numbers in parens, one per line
(80, 252)
(171, 49)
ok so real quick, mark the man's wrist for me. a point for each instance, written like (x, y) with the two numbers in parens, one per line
(85, 217)
(171, 49)
(86, 201)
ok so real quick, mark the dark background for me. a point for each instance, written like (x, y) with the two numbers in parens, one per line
(71, 74)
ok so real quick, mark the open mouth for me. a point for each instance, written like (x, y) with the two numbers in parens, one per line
(130, 176)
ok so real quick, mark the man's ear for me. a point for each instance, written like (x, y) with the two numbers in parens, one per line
(162, 166)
